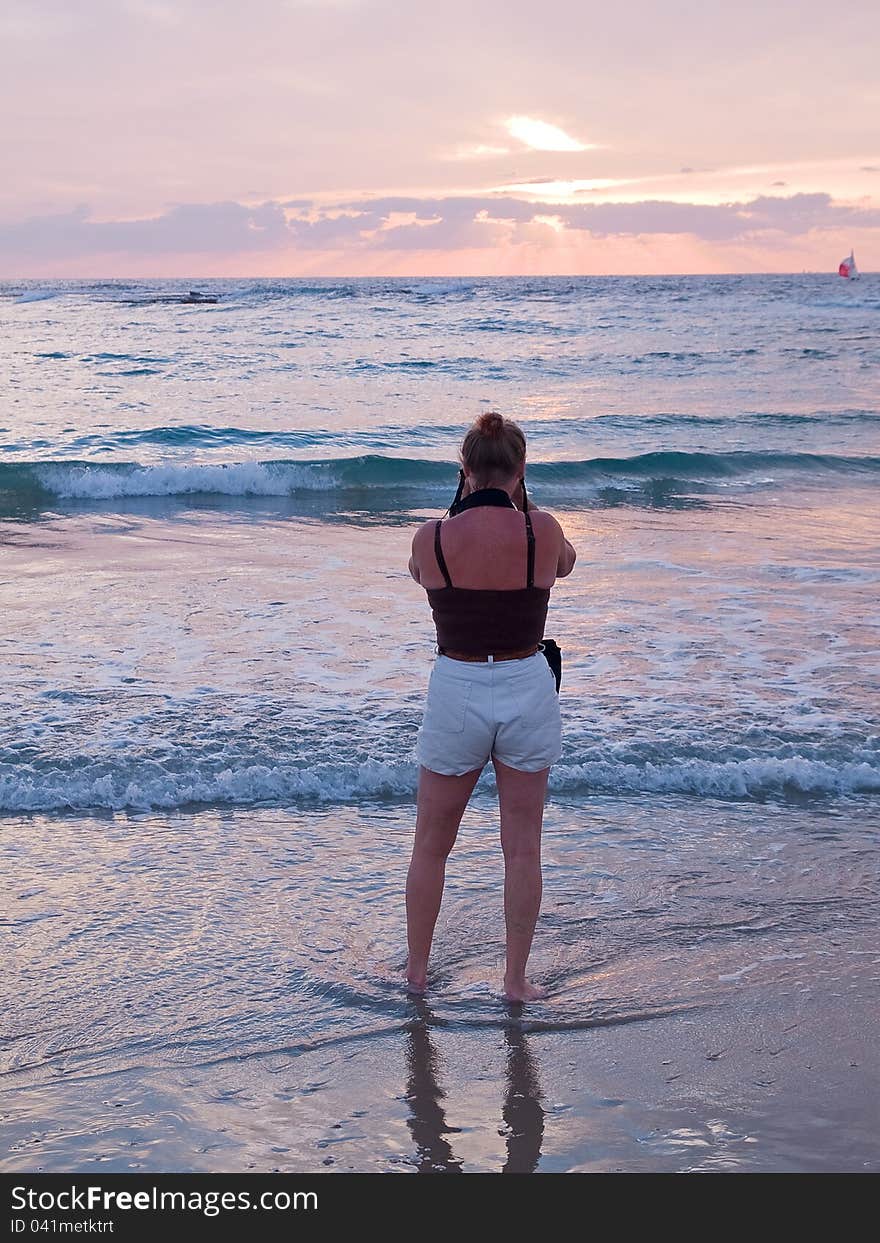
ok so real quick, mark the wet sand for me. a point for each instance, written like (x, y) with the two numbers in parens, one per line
(785, 1090)
(218, 992)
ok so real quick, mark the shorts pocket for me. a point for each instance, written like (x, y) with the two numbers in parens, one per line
(535, 694)
(446, 705)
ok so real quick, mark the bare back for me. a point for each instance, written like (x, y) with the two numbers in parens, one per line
(486, 548)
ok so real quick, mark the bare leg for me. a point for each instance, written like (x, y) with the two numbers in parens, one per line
(521, 798)
(441, 804)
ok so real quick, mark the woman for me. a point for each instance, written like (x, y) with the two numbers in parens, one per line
(487, 570)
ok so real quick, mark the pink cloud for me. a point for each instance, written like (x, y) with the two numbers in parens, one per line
(400, 234)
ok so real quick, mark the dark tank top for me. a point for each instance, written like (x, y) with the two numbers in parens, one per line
(481, 621)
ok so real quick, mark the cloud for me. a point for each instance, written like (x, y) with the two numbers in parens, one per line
(465, 221)
(399, 223)
(541, 136)
(213, 228)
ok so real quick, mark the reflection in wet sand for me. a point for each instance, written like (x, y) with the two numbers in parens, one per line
(521, 1109)
(523, 1113)
(427, 1122)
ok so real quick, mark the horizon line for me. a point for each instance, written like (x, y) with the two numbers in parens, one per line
(453, 276)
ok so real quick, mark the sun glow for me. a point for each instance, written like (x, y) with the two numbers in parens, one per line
(542, 136)
(560, 191)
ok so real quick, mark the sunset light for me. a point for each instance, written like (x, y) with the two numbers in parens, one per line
(438, 549)
(541, 136)
(331, 137)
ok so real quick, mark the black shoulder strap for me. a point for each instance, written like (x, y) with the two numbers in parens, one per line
(438, 551)
(530, 537)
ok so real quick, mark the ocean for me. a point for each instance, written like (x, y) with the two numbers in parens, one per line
(214, 663)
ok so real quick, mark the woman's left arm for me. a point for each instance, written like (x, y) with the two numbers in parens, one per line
(413, 566)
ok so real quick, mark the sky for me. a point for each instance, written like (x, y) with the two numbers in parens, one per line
(376, 137)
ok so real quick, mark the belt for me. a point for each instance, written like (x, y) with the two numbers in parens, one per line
(528, 651)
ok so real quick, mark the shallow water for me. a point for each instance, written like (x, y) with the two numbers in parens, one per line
(223, 978)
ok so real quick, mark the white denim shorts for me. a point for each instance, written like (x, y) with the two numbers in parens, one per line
(477, 709)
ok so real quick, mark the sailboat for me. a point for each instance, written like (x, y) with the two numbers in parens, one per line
(848, 269)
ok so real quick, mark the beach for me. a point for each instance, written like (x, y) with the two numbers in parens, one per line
(223, 995)
(214, 665)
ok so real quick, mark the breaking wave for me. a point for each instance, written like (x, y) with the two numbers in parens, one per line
(81, 480)
(142, 787)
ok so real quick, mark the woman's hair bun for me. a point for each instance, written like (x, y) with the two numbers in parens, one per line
(494, 448)
(491, 423)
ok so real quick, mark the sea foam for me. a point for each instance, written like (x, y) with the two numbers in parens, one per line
(134, 787)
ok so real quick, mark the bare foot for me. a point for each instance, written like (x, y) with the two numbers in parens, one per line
(416, 986)
(523, 991)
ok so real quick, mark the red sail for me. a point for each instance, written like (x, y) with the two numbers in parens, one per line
(843, 270)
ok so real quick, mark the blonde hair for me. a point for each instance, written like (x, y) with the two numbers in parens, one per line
(494, 447)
